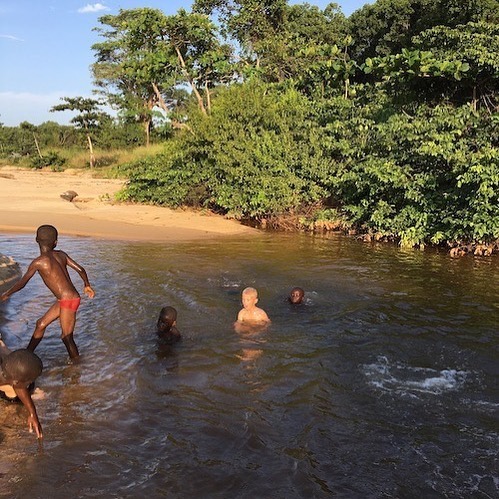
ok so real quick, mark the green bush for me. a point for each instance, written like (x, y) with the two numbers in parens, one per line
(427, 177)
(51, 158)
(431, 177)
(258, 153)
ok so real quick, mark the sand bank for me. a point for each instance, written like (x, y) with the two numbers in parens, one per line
(29, 198)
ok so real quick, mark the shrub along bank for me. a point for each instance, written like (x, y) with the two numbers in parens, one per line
(268, 152)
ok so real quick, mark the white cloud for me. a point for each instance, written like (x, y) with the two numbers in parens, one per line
(91, 8)
(10, 37)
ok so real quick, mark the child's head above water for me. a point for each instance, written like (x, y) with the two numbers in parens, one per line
(249, 298)
(250, 313)
(21, 367)
(296, 296)
(167, 319)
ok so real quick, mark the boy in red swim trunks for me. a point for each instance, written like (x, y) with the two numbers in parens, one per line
(52, 266)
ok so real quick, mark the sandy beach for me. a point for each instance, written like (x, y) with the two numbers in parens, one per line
(29, 198)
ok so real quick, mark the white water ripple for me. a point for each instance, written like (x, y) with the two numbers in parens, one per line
(409, 380)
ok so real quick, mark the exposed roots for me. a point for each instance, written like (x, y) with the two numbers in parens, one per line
(304, 221)
(477, 249)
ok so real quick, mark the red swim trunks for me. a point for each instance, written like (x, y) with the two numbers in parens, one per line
(72, 304)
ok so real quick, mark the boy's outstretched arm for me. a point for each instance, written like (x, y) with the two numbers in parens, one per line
(83, 274)
(21, 283)
(25, 398)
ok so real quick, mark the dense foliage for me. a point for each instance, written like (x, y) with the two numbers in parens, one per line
(259, 152)
(429, 177)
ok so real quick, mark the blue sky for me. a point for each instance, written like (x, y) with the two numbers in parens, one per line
(45, 51)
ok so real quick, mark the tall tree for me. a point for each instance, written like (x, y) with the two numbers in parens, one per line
(277, 41)
(386, 26)
(201, 59)
(131, 61)
(148, 56)
(477, 46)
(304, 39)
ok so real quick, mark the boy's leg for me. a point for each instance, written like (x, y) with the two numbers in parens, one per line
(67, 319)
(41, 325)
(70, 346)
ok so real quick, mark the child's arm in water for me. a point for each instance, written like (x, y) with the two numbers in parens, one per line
(25, 398)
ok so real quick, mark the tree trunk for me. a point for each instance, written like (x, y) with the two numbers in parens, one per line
(161, 101)
(208, 96)
(162, 105)
(37, 146)
(147, 129)
(91, 149)
(191, 83)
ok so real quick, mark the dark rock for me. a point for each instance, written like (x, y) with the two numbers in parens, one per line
(69, 195)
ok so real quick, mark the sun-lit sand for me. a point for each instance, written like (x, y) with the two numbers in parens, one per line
(29, 198)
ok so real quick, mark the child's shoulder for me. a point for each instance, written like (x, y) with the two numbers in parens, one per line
(170, 337)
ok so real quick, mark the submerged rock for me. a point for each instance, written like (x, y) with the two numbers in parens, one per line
(10, 272)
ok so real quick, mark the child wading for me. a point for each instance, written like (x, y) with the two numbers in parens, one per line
(52, 265)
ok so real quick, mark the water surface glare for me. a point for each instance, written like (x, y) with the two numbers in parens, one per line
(383, 384)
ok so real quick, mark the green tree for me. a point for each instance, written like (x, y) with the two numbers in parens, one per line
(32, 130)
(200, 58)
(130, 68)
(87, 120)
(452, 13)
(303, 39)
(277, 41)
(386, 26)
(455, 64)
(147, 57)
(476, 47)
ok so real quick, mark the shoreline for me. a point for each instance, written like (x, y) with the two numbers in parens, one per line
(30, 198)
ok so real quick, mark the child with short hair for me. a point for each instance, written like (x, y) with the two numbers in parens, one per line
(166, 327)
(18, 371)
(250, 313)
(52, 266)
(296, 296)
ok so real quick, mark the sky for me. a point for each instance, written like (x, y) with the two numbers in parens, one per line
(46, 54)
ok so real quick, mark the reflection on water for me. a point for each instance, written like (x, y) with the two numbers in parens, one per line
(383, 384)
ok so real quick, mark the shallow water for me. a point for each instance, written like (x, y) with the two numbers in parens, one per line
(384, 384)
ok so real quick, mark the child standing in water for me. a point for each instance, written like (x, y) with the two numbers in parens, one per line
(53, 266)
(250, 314)
(167, 325)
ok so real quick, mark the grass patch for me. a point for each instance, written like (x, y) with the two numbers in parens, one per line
(107, 162)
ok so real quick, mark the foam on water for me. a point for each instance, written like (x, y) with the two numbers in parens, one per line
(408, 380)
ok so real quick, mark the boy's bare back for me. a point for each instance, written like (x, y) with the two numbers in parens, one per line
(52, 267)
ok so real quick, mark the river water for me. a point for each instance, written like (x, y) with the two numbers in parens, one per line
(383, 384)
